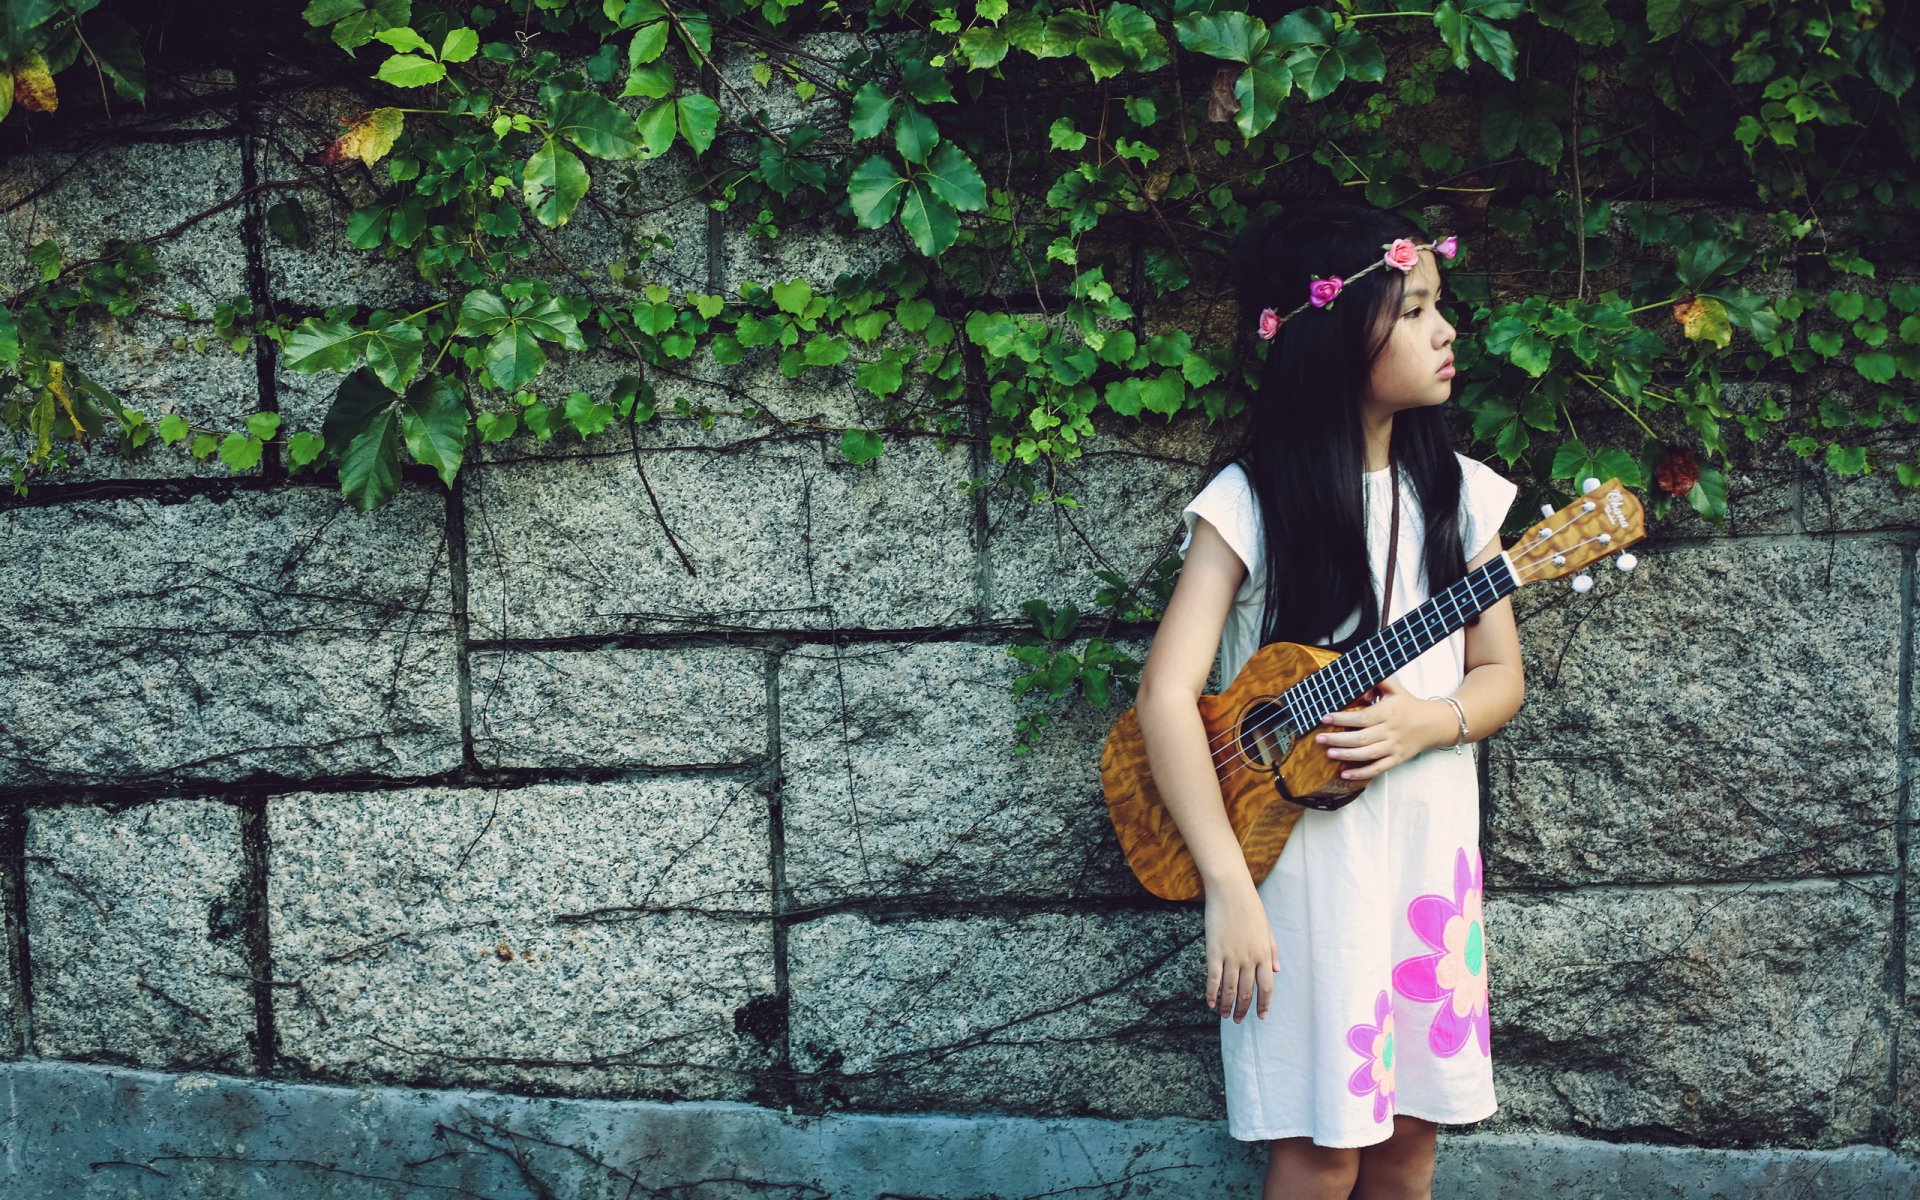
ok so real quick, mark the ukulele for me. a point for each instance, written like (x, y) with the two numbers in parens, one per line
(1270, 768)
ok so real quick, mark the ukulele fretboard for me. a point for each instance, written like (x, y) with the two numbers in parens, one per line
(1348, 677)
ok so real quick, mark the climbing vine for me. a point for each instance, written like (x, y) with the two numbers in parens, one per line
(1064, 179)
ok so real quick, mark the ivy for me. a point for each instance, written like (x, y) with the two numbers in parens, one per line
(1066, 181)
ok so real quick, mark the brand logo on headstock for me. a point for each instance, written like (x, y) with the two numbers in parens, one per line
(1617, 509)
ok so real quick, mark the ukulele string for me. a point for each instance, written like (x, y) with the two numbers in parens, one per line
(1516, 563)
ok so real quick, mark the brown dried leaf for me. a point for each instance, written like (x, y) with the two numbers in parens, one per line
(369, 136)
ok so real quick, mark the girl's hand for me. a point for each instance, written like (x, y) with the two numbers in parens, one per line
(1388, 732)
(1239, 949)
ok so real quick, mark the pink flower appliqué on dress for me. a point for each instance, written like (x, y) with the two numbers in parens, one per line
(1455, 974)
(1374, 1042)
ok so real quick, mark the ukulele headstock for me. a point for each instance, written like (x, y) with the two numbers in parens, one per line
(1608, 518)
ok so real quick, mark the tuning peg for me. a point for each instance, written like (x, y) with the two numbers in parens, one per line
(1626, 562)
(1546, 510)
(1589, 485)
(1583, 582)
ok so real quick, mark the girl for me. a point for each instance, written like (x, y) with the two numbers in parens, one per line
(1361, 951)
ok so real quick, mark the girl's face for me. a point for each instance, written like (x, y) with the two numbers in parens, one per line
(1415, 370)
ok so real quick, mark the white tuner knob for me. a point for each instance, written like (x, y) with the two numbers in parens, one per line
(1589, 484)
(1583, 582)
(1605, 539)
(1626, 562)
(1546, 510)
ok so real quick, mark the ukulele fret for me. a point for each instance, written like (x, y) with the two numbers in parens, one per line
(1348, 677)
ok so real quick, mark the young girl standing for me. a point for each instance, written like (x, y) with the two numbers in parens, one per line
(1361, 952)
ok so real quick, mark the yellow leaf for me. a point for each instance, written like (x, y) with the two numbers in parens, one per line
(57, 384)
(1704, 319)
(6, 93)
(368, 138)
(33, 85)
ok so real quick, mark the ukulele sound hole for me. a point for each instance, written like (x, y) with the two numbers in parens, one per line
(1263, 734)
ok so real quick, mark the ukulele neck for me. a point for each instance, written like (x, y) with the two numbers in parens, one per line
(1350, 676)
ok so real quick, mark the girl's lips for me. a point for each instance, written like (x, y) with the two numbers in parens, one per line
(1445, 372)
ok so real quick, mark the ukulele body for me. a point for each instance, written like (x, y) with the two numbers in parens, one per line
(1267, 777)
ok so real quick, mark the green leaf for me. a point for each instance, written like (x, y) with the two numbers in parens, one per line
(793, 297)
(173, 428)
(883, 377)
(552, 322)
(928, 220)
(1260, 89)
(204, 444)
(860, 445)
(952, 177)
(460, 45)
(496, 427)
(596, 125)
(394, 353)
(482, 313)
(240, 452)
(433, 418)
(586, 415)
(1875, 367)
(514, 357)
(403, 39)
(656, 129)
(1234, 36)
(360, 397)
(651, 81)
(699, 117)
(370, 467)
(410, 71)
(316, 345)
(649, 41)
(914, 135)
(555, 182)
(1709, 496)
(825, 350)
(263, 425)
(874, 189)
(871, 109)
(304, 447)
(914, 315)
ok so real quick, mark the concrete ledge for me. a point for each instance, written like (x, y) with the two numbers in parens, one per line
(76, 1132)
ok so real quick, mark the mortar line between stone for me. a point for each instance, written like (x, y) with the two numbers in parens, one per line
(252, 222)
(777, 880)
(13, 919)
(457, 589)
(254, 848)
(1902, 848)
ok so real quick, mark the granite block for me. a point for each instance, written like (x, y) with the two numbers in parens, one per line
(138, 935)
(1725, 711)
(683, 705)
(264, 633)
(585, 938)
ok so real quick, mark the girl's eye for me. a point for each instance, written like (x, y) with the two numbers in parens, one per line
(1414, 313)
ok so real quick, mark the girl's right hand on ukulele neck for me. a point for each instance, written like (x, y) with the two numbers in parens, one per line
(1241, 956)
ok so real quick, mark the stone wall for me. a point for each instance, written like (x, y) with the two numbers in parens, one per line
(489, 789)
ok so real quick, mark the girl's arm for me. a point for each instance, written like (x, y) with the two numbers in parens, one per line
(1495, 683)
(1401, 725)
(1171, 682)
(1239, 937)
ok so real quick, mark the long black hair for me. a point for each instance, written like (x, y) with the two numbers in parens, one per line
(1304, 451)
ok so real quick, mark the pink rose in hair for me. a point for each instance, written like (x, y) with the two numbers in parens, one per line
(1269, 323)
(1402, 254)
(1447, 247)
(1322, 291)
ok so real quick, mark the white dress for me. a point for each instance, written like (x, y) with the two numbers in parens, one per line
(1380, 1003)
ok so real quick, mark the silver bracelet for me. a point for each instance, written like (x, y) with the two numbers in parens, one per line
(1460, 713)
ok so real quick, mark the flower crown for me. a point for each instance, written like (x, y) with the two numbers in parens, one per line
(1401, 252)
